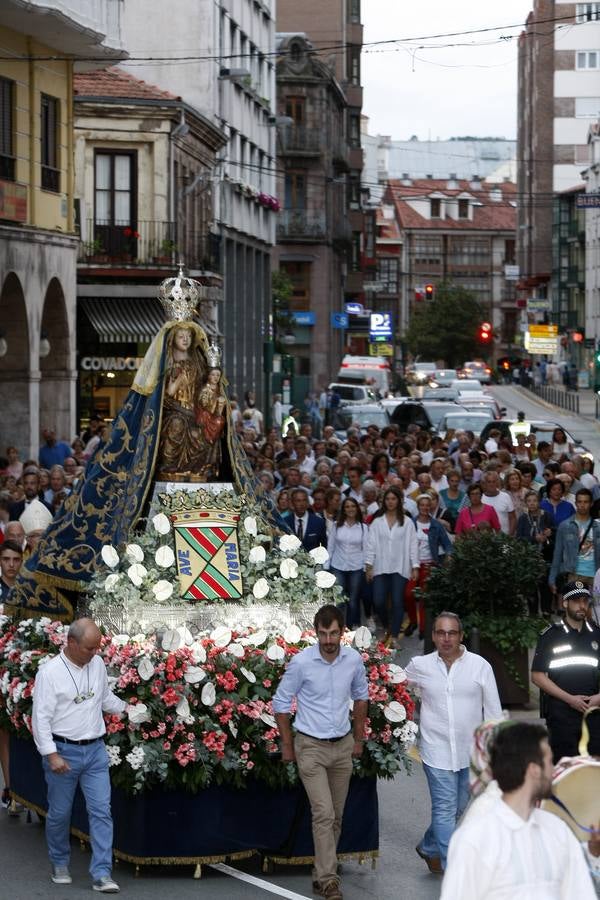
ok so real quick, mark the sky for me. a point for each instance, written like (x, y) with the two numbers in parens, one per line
(418, 88)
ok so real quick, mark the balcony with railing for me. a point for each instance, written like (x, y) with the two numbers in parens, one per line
(79, 27)
(300, 225)
(147, 244)
(298, 140)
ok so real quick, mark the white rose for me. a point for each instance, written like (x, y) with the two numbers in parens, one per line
(260, 589)
(275, 653)
(250, 526)
(164, 557)
(394, 712)
(209, 694)
(161, 524)
(362, 638)
(257, 555)
(134, 553)
(111, 582)
(325, 579)
(221, 636)
(288, 568)
(137, 572)
(289, 543)
(162, 590)
(110, 556)
(319, 555)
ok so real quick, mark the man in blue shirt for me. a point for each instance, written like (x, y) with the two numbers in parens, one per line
(324, 678)
(53, 452)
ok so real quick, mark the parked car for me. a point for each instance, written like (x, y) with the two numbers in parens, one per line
(477, 369)
(359, 415)
(542, 429)
(464, 420)
(354, 393)
(420, 373)
(466, 384)
(487, 404)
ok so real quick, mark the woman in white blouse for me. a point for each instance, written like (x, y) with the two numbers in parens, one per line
(391, 559)
(346, 546)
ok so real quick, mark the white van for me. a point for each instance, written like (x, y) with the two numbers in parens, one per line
(374, 371)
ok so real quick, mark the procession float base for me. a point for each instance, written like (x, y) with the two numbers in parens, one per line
(176, 828)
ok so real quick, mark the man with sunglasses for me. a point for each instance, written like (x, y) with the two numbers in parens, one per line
(458, 692)
(71, 693)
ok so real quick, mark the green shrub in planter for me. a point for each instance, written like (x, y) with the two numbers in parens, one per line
(486, 581)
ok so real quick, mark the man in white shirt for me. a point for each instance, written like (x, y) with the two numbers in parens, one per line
(500, 500)
(71, 693)
(458, 692)
(437, 470)
(517, 852)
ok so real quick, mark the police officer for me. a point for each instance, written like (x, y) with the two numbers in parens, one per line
(566, 668)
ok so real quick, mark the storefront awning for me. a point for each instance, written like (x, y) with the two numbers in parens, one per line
(124, 320)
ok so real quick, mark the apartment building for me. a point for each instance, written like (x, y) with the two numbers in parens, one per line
(559, 72)
(460, 232)
(38, 246)
(227, 75)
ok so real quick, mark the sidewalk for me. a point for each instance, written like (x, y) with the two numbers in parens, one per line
(584, 402)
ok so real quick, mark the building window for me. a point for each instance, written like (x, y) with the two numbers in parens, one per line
(299, 275)
(588, 59)
(387, 272)
(354, 65)
(435, 209)
(354, 192)
(354, 136)
(354, 12)
(587, 107)
(295, 190)
(356, 250)
(50, 119)
(295, 108)
(587, 12)
(510, 252)
(7, 160)
(463, 209)
(115, 219)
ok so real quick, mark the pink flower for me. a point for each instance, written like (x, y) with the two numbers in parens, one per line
(245, 746)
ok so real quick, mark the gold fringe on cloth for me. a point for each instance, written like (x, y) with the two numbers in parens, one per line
(361, 856)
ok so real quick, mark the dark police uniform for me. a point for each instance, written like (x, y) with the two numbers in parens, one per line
(571, 659)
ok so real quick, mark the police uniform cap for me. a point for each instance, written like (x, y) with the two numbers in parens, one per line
(576, 589)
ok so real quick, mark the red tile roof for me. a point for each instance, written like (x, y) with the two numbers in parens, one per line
(115, 82)
(387, 229)
(493, 215)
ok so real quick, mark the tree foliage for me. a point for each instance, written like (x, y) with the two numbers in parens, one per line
(446, 327)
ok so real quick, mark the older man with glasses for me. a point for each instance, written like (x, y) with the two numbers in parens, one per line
(458, 692)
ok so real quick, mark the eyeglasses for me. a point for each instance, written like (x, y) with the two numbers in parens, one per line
(81, 698)
(451, 634)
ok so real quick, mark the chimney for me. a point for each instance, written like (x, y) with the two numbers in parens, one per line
(476, 183)
(406, 179)
(452, 182)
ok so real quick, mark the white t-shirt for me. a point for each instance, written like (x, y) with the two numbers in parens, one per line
(503, 505)
(423, 541)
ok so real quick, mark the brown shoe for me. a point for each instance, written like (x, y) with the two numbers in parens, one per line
(434, 863)
(330, 890)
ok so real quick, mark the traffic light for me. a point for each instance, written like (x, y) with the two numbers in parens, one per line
(429, 291)
(485, 333)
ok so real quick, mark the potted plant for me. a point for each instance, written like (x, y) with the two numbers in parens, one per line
(95, 252)
(165, 251)
(486, 581)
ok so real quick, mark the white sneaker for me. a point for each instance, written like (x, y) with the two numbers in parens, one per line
(106, 885)
(61, 875)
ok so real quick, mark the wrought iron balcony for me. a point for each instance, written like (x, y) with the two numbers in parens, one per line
(301, 141)
(300, 225)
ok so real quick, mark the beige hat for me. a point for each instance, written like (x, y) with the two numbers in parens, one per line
(35, 517)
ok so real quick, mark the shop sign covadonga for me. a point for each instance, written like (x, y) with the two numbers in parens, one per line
(110, 363)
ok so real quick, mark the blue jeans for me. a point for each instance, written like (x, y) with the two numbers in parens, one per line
(449, 797)
(393, 585)
(89, 769)
(351, 583)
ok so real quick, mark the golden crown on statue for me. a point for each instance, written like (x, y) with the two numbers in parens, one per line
(179, 296)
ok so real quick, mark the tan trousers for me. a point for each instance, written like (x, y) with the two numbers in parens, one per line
(325, 769)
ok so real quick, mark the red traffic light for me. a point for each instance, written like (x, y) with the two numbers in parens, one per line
(485, 333)
(429, 291)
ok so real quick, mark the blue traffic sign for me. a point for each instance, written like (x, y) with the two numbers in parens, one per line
(339, 320)
(304, 318)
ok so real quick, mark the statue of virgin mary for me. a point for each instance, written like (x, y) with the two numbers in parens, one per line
(174, 426)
